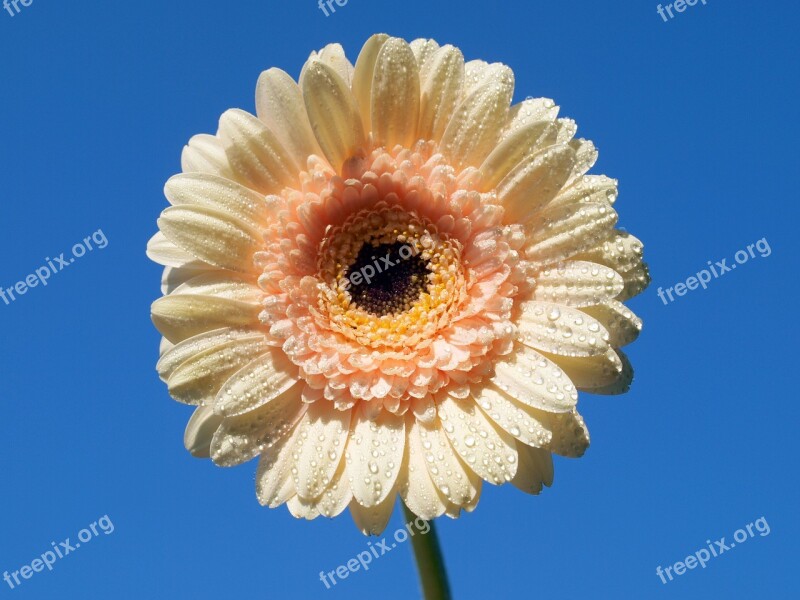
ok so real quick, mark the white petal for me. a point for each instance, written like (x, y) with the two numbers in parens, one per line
(636, 280)
(535, 181)
(622, 325)
(181, 316)
(535, 469)
(620, 250)
(174, 277)
(589, 188)
(423, 50)
(444, 467)
(255, 154)
(212, 236)
(395, 95)
(586, 156)
(562, 232)
(374, 455)
(577, 284)
(279, 105)
(160, 250)
(441, 82)
(333, 55)
(274, 481)
(363, 77)
(200, 430)
(256, 384)
(202, 189)
(373, 520)
(593, 373)
(479, 119)
(534, 380)
(242, 438)
(562, 433)
(205, 154)
(174, 356)
(529, 111)
(301, 509)
(485, 449)
(198, 379)
(416, 487)
(223, 284)
(323, 436)
(516, 147)
(336, 497)
(333, 114)
(560, 330)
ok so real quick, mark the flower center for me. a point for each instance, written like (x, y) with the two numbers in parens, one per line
(387, 279)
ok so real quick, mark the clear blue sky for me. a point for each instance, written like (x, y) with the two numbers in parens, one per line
(697, 117)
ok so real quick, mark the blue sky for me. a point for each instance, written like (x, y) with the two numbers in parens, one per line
(696, 117)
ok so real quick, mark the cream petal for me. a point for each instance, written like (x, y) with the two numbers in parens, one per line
(373, 520)
(577, 284)
(535, 469)
(333, 55)
(621, 323)
(535, 181)
(205, 154)
(160, 250)
(257, 383)
(181, 316)
(363, 77)
(561, 433)
(636, 281)
(223, 284)
(560, 330)
(530, 110)
(529, 377)
(202, 189)
(212, 236)
(255, 154)
(485, 449)
(240, 439)
(301, 509)
(417, 489)
(200, 430)
(337, 496)
(516, 147)
(620, 250)
(479, 119)
(279, 105)
(562, 232)
(176, 355)
(445, 469)
(323, 436)
(589, 188)
(423, 50)
(198, 379)
(274, 481)
(605, 371)
(585, 157)
(622, 383)
(374, 454)
(395, 95)
(441, 82)
(333, 114)
(174, 277)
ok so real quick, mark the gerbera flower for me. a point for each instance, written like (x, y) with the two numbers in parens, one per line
(392, 281)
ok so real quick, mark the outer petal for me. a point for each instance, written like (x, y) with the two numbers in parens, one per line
(323, 436)
(333, 114)
(279, 104)
(255, 154)
(374, 454)
(561, 330)
(516, 147)
(240, 439)
(395, 95)
(160, 250)
(174, 356)
(205, 154)
(416, 487)
(488, 451)
(364, 75)
(423, 50)
(274, 481)
(535, 469)
(479, 119)
(532, 379)
(182, 316)
(595, 373)
(577, 284)
(256, 384)
(441, 82)
(200, 430)
(622, 325)
(212, 236)
(373, 520)
(445, 469)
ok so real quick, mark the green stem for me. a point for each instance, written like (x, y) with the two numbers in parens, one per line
(430, 564)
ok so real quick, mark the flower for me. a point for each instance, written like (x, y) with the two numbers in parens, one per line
(392, 281)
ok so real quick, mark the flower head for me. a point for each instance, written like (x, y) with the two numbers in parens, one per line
(391, 280)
